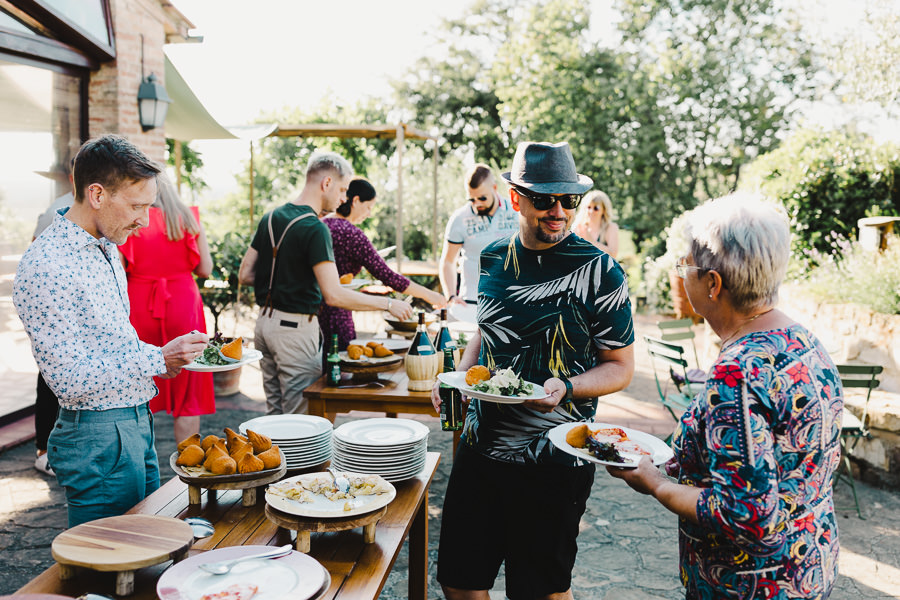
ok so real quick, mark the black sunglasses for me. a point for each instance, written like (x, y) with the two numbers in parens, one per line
(546, 201)
(479, 199)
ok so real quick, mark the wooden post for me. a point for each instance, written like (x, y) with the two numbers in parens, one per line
(179, 159)
(399, 239)
(434, 207)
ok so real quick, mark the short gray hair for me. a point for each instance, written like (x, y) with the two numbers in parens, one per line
(747, 241)
(320, 162)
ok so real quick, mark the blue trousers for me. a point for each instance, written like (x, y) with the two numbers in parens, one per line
(105, 459)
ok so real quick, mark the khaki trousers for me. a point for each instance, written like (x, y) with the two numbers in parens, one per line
(292, 359)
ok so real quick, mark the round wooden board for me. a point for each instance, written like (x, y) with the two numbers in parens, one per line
(123, 543)
(235, 481)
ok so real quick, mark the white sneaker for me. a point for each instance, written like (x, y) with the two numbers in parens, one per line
(40, 463)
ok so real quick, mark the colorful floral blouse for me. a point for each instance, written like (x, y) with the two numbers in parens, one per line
(352, 252)
(762, 438)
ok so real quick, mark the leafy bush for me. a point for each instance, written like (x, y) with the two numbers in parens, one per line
(220, 291)
(655, 284)
(827, 181)
(853, 274)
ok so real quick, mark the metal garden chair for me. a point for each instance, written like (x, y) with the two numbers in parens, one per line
(677, 331)
(672, 355)
(853, 428)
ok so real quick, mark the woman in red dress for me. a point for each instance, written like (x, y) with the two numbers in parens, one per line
(161, 261)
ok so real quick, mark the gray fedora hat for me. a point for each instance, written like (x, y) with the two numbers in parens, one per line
(547, 169)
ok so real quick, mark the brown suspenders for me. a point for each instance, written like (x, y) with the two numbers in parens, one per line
(275, 247)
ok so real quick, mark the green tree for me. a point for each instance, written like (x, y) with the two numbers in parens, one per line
(191, 165)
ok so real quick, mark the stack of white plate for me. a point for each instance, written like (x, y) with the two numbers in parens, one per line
(392, 448)
(304, 439)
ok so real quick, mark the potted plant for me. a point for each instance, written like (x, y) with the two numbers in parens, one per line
(221, 291)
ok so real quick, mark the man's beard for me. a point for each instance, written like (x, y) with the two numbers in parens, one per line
(484, 212)
(552, 238)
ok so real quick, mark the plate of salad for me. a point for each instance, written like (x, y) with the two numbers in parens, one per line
(212, 360)
(503, 387)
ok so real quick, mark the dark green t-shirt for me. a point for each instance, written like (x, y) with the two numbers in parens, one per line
(306, 244)
(544, 313)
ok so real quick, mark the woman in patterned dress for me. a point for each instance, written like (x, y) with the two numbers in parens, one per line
(756, 450)
(352, 252)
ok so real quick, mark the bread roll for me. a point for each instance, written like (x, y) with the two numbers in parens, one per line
(260, 442)
(224, 465)
(193, 440)
(191, 456)
(577, 436)
(380, 351)
(477, 374)
(249, 464)
(209, 441)
(271, 458)
(355, 352)
(212, 454)
(239, 449)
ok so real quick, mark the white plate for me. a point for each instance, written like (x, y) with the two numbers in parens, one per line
(322, 507)
(357, 283)
(376, 452)
(661, 453)
(288, 427)
(381, 432)
(295, 576)
(457, 379)
(392, 344)
(249, 355)
(369, 360)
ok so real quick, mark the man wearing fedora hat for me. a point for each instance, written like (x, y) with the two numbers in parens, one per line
(554, 309)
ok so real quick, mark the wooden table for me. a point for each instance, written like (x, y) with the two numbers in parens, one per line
(388, 394)
(358, 570)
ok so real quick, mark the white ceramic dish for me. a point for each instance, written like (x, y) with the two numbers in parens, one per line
(249, 355)
(457, 379)
(381, 431)
(322, 507)
(660, 452)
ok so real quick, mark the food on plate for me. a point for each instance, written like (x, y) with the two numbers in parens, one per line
(209, 441)
(223, 465)
(347, 278)
(504, 382)
(355, 351)
(260, 442)
(477, 374)
(191, 456)
(373, 344)
(236, 591)
(368, 352)
(271, 458)
(250, 464)
(193, 440)
(239, 449)
(381, 352)
(212, 454)
(210, 356)
(306, 489)
(577, 436)
(233, 349)
(606, 443)
(232, 437)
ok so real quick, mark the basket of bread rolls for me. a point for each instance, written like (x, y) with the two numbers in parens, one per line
(369, 358)
(212, 459)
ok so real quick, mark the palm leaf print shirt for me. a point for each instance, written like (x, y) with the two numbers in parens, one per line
(71, 294)
(544, 314)
(763, 439)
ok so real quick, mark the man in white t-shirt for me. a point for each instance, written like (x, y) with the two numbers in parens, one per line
(485, 218)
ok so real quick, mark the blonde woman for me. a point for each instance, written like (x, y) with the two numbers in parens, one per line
(594, 223)
(161, 261)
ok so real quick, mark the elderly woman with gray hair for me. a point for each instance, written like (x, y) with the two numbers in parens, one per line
(756, 450)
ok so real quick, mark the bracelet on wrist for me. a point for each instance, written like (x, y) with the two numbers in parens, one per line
(390, 303)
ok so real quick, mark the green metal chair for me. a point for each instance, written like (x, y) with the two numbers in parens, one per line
(853, 428)
(682, 330)
(672, 355)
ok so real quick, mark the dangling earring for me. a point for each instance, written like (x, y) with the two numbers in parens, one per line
(710, 296)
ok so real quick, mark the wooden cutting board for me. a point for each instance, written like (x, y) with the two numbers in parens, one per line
(123, 543)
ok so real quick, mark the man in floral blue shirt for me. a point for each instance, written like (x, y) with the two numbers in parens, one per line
(70, 292)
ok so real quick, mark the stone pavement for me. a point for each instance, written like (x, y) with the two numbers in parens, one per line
(627, 547)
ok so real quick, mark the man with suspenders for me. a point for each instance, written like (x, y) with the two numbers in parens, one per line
(290, 263)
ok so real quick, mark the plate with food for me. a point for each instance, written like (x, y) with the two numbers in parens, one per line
(503, 386)
(223, 354)
(607, 444)
(354, 283)
(408, 324)
(397, 346)
(295, 575)
(315, 495)
(233, 458)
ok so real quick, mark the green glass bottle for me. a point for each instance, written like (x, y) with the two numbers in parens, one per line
(452, 417)
(334, 362)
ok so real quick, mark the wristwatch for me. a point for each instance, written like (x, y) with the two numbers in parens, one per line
(569, 395)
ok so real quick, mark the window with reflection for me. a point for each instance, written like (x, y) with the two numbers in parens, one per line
(87, 14)
(39, 134)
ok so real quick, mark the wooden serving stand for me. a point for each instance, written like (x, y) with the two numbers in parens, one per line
(369, 372)
(122, 545)
(246, 482)
(304, 526)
